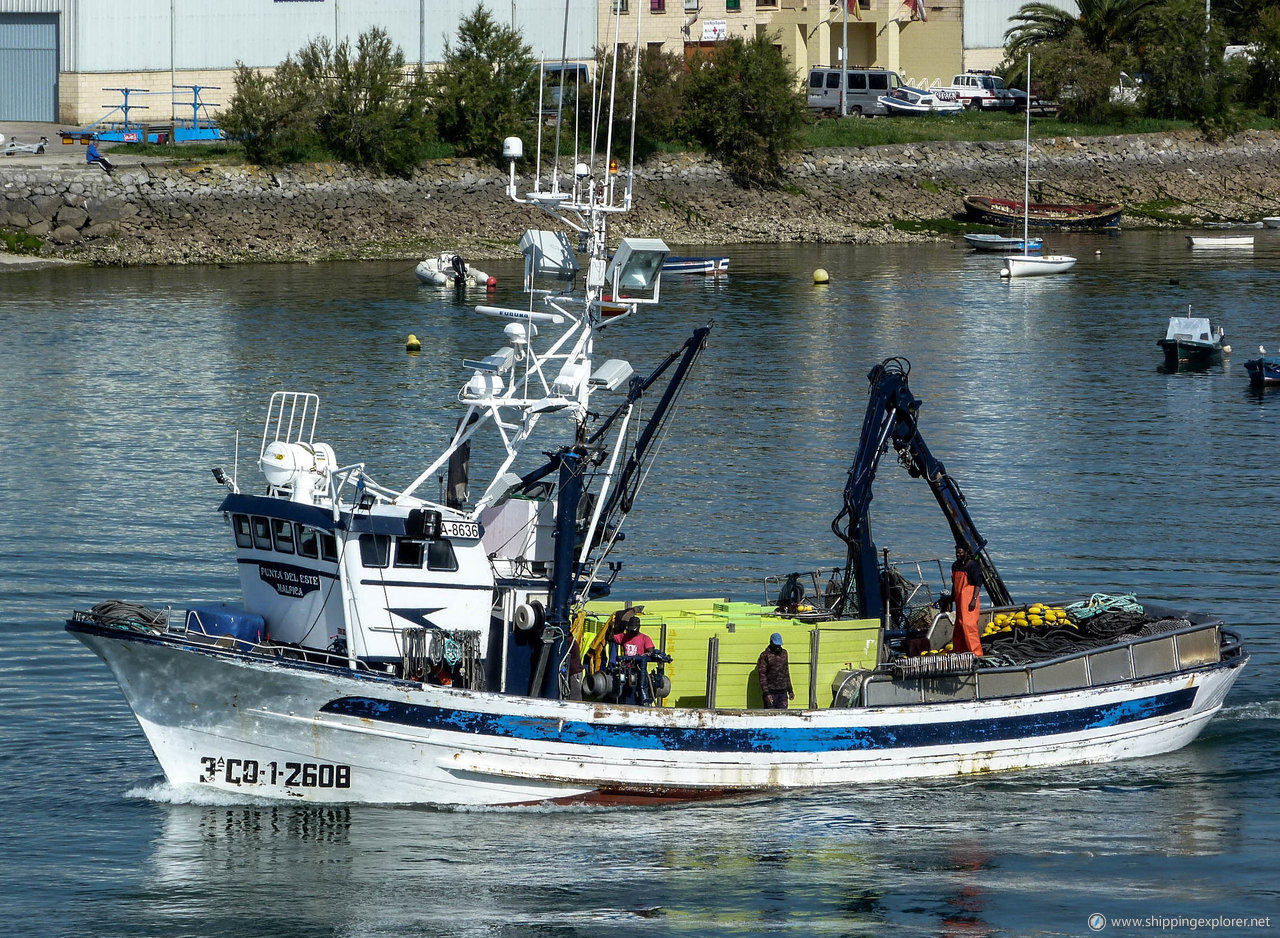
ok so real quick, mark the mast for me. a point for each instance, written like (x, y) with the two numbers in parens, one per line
(1026, 175)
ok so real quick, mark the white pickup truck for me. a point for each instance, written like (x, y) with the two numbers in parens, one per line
(981, 89)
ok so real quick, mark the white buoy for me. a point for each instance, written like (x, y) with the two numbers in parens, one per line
(821, 276)
(1004, 271)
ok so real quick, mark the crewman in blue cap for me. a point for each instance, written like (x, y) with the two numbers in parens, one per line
(775, 674)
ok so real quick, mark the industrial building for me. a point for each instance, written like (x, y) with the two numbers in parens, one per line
(80, 61)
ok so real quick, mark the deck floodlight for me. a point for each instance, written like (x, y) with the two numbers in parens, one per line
(635, 272)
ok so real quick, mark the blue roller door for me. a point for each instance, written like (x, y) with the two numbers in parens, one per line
(29, 66)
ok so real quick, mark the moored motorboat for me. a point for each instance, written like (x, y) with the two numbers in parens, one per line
(450, 269)
(711, 266)
(1263, 370)
(470, 648)
(1003, 243)
(1271, 221)
(1192, 340)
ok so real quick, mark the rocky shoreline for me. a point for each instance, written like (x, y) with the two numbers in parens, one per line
(181, 212)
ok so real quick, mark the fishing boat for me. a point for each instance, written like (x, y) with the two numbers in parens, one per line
(1031, 263)
(995, 211)
(1192, 340)
(1220, 241)
(1003, 243)
(1265, 369)
(450, 269)
(711, 266)
(472, 648)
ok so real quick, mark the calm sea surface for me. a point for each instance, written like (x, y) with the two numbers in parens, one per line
(1086, 467)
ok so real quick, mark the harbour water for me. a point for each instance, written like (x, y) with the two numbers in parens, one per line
(1087, 468)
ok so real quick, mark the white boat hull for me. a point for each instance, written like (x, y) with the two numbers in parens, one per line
(1037, 266)
(1222, 241)
(268, 728)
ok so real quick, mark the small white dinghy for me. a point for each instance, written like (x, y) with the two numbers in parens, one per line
(1030, 265)
(449, 268)
(1220, 241)
(1271, 221)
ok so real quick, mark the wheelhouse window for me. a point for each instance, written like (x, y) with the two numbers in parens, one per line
(328, 547)
(244, 534)
(440, 556)
(282, 535)
(375, 550)
(261, 533)
(308, 543)
(410, 553)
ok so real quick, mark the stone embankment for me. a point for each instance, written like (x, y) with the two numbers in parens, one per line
(176, 212)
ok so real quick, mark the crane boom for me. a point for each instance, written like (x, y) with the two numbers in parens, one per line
(892, 418)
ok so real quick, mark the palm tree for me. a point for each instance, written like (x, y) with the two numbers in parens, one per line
(1107, 26)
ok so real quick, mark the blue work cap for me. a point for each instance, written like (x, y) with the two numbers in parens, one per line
(776, 639)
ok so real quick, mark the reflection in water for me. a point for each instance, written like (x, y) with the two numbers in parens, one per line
(953, 859)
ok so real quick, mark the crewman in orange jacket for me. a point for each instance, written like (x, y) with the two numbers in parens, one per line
(966, 577)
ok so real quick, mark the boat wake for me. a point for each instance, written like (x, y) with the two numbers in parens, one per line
(1254, 710)
(199, 795)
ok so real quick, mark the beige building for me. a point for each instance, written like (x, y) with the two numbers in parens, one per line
(922, 40)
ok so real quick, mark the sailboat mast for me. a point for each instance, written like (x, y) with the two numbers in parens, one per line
(1026, 176)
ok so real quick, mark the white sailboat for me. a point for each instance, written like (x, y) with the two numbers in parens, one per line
(1027, 264)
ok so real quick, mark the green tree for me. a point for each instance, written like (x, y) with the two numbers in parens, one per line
(1113, 27)
(1264, 64)
(1079, 78)
(1187, 75)
(741, 103)
(357, 106)
(487, 88)
(273, 117)
(376, 112)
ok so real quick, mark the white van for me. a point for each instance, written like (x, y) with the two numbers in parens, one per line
(865, 87)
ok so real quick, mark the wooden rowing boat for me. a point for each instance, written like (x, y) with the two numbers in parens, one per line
(994, 211)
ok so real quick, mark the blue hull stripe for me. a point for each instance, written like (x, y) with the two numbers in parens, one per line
(799, 739)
